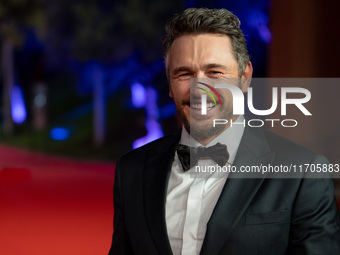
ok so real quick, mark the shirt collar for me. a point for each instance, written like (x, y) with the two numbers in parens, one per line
(230, 137)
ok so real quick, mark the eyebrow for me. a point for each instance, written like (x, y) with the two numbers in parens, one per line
(207, 66)
(213, 65)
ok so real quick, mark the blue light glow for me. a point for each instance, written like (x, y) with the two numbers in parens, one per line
(18, 109)
(60, 134)
(167, 110)
(154, 131)
(153, 128)
(259, 21)
(138, 95)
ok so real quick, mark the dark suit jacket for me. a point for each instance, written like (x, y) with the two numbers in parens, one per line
(266, 216)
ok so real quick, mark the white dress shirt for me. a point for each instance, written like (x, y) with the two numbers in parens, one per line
(191, 199)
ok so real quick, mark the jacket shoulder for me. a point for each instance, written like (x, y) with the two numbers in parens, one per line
(286, 148)
(157, 145)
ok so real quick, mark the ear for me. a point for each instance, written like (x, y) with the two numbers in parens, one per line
(246, 77)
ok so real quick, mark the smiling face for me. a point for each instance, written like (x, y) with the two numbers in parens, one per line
(202, 56)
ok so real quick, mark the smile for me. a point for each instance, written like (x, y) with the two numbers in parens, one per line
(199, 106)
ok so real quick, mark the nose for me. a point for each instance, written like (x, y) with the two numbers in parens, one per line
(196, 88)
(196, 85)
(201, 75)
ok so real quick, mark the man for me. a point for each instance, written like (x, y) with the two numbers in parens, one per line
(162, 207)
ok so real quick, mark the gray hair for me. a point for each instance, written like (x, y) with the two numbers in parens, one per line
(211, 21)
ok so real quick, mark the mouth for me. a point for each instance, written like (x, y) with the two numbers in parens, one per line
(198, 106)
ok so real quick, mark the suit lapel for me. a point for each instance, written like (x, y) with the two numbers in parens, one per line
(156, 174)
(238, 191)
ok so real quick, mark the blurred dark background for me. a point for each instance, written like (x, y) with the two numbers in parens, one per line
(86, 78)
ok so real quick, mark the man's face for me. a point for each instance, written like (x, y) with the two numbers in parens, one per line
(201, 56)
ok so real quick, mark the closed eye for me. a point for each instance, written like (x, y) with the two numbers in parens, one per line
(214, 74)
(185, 76)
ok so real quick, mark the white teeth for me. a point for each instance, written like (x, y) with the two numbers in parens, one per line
(199, 106)
(196, 106)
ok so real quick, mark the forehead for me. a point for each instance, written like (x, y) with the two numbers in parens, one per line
(208, 48)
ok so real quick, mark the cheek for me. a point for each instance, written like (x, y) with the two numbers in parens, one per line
(227, 99)
(170, 93)
(179, 91)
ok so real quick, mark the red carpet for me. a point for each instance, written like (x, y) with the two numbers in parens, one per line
(54, 206)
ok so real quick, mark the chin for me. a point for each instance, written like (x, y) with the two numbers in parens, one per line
(204, 131)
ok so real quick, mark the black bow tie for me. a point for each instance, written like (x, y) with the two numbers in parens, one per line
(218, 153)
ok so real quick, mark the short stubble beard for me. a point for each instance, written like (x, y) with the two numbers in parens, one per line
(202, 132)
